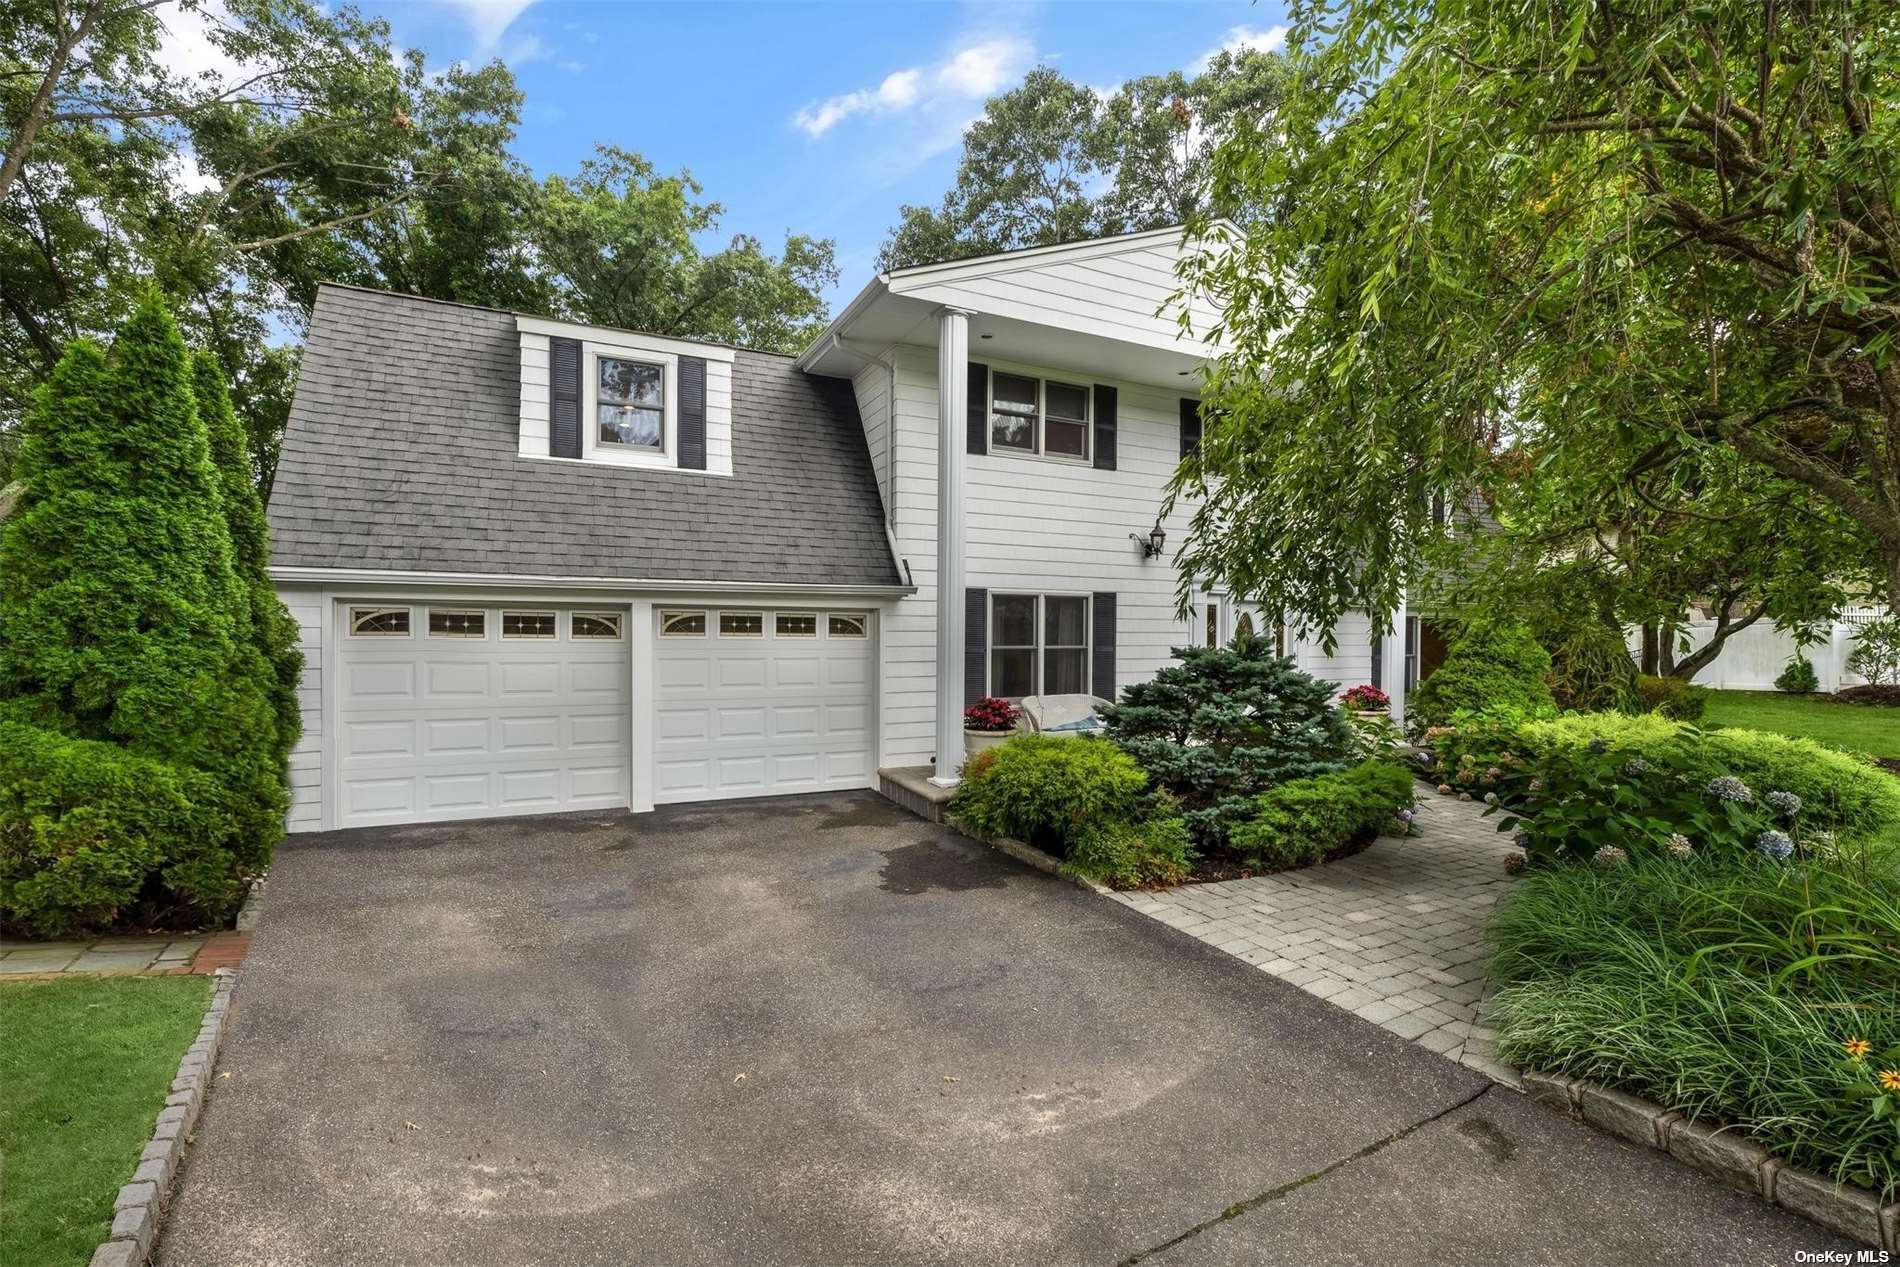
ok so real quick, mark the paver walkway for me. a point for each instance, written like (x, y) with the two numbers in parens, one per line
(1394, 934)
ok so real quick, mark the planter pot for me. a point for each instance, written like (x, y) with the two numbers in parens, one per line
(975, 741)
(1366, 714)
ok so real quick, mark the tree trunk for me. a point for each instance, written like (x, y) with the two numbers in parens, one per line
(1652, 650)
(1725, 628)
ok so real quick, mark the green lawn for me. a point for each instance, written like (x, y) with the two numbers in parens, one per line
(85, 1064)
(1868, 728)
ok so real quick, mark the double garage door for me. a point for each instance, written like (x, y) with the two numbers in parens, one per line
(446, 712)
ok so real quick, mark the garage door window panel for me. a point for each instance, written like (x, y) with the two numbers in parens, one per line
(457, 623)
(847, 625)
(602, 625)
(795, 625)
(379, 622)
(741, 625)
(527, 625)
(677, 624)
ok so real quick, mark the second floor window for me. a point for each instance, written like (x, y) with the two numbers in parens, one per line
(1033, 415)
(632, 403)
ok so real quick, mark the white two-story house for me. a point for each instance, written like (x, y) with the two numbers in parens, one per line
(541, 566)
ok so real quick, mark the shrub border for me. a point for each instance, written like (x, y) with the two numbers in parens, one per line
(139, 1209)
(1723, 1155)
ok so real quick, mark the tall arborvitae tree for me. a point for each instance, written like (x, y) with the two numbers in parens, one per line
(261, 618)
(117, 591)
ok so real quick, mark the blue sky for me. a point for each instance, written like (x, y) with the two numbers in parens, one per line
(817, 118)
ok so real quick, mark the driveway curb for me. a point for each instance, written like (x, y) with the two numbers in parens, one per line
(1723, 1155)
(140, 1205)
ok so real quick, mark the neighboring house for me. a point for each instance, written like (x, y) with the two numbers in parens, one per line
(542, 566)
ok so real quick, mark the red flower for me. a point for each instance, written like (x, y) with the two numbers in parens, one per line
(1366, 697)
(990, 713)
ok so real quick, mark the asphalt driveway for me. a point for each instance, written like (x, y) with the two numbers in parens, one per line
(822, 1031)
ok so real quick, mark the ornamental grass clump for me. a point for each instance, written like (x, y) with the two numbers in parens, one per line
(1726, 988)
(130, 641)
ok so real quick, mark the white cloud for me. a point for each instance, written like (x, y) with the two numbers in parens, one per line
(488, 19)
(1270, 40)
(187, 49)
(981, 69)
(571, 66)
(975, 70)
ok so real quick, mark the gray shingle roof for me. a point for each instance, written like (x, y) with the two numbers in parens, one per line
(401, 454)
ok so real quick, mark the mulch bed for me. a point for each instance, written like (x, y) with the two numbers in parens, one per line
(1212, 870)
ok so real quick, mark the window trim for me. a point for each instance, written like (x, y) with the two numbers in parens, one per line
(864, 626)
(552, 635)
(480, 612)
(593, 449)
(1041, 646)
(677, 613)
(617, 619)
(355, 615)
(1039, 432)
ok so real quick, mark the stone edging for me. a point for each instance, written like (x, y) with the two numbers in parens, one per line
(1723, 1155)
(140, 1204)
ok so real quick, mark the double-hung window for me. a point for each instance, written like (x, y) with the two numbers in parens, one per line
(1033, 415)
(631, 403)
(1039, 645)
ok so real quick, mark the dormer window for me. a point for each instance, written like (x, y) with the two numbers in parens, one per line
(1032, 415)
(631, 404)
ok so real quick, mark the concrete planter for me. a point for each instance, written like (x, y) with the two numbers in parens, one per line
(975, 741)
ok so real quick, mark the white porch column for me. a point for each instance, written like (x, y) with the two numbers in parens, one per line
(953, 391)
(1392, 671)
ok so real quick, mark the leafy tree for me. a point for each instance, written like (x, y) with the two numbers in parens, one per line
(326, 155)
(117, 595)
(1051, 161)
(1640, 243)
(618, 242)
(1655, 547)
(1225, 724)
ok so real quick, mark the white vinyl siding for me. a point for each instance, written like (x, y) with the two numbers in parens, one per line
(1118, 291)
(872, 385)
(307, 608)
(1033, 526)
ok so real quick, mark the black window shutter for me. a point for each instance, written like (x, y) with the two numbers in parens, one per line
(692, 418)
(978, 408)
(1102, 673)
(1378, 658)
(564, 398)
(1105, 398)
(1190, 425)
(976, 643)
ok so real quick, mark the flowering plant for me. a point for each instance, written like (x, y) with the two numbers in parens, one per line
(990, 713)
(1366, 698)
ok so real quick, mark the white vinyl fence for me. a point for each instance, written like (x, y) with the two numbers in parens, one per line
(1752, 659)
